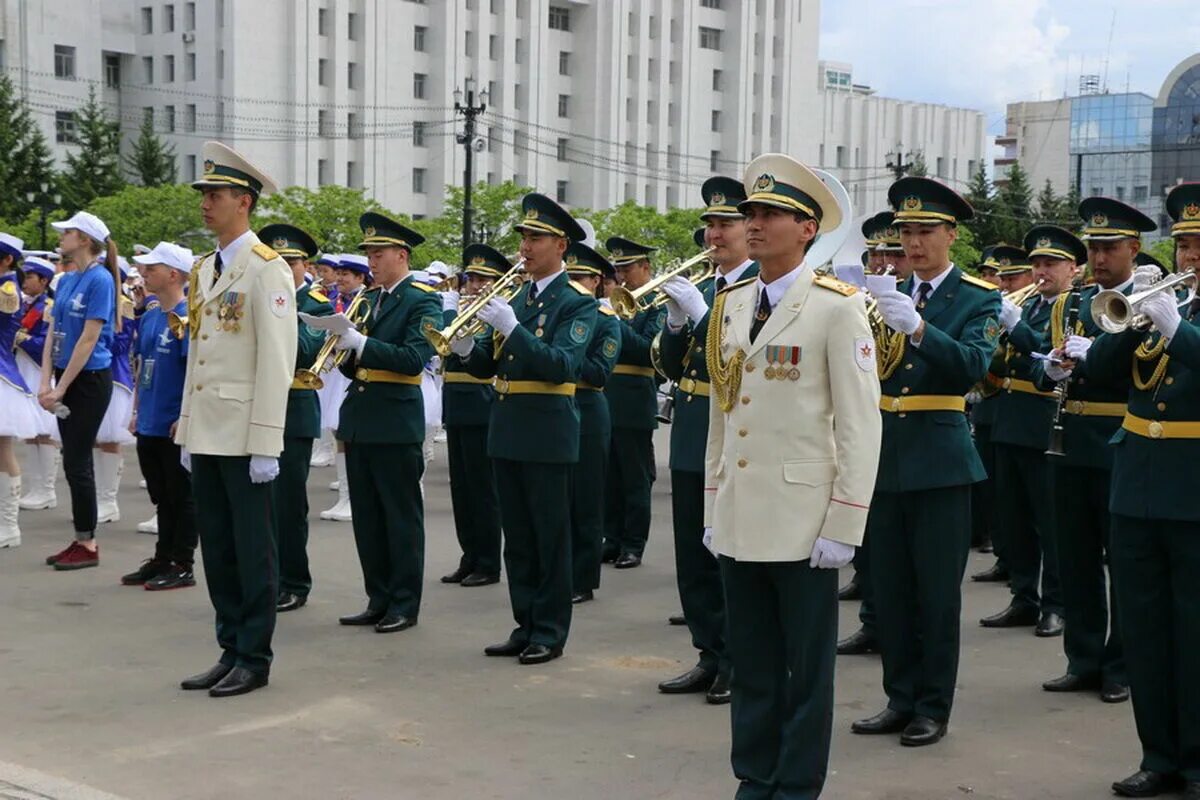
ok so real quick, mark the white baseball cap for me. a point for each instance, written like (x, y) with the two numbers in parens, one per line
(438, 268)
(86, 223)
(11, 245)
(170, 255)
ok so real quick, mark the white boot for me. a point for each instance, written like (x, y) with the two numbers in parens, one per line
(41, 474)
(323, 450)
(108, 480)
(10, 500)
(149, 526)
(341, 510)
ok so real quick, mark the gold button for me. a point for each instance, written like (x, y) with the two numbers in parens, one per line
(749, 366)
(208, 312)
(742, 462)
(743, 432)
(199, 386)
(903, 390)
(908, 366)
(204, 336)
(201, 362)
(745, 400)
(1162, 406)
(1169, 380)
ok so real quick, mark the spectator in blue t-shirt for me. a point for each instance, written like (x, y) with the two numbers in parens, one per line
(77, 371)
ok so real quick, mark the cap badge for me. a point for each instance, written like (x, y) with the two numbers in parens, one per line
(478, 261)
(912, 203)
(280, 243)
(618, 253)
(717, 199)
(531, 213)
(765, 183)
(369, 230)
(572, 260)
(209, 166)
(1191, 211)
(1043, 242)
(1005, 262)
(1099, 221)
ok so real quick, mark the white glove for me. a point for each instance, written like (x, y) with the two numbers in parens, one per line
(449, 300)
(828, 554)
(500, 315)
(708, 540)
(1010, 314)
(185, 459)
(1163, 310)
(604, 301)
(462, 346)
(1076, 347)
(263, 469)
(350, 340)
(973, 398)
(1144, 276)
(1056, 372)
(899, 312)
(686, 297)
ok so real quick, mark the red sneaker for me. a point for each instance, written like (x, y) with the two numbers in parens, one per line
(79, 557)
(52, 560)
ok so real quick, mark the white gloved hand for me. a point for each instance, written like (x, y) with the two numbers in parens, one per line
(828, 554)
(462, 346)
(973, 398)
(899, 312)
(1076, 347)
(500, 315)
(708, 540)
(1056, 372)
(449, 300)
(185, 459)
(350, 340)
(263, 469)
(1163, 310)
(1145, 275)
(686, 296)
(1010, 314)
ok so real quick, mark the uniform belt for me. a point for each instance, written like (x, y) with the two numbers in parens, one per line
(693, 386)
(534, 387)
(462, 377)
(922, 402)
(1086, 408)
(629, 369)
(385, 376)
(1025, 387)
(589, 387)
(1153, 429)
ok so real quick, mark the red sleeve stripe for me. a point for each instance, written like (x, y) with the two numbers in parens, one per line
(848, 503)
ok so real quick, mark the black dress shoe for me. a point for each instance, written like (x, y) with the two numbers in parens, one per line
(206, 680)
(886, 721)
(394, 622)
(628, 561)
(289, 601)
(676, 619)
(997, 573)
(509, 648)
(539, 654)
(1112, 692)
(852, 590)
(922, 731)
(696, 679)
(719, 694)
(239, 681)
(1049, 624)
(583, 597)
(1014, 616)
(367, 617)
(1072, 683)
(609, 556)
(479, 579)
(859, 643)
(1145, 783)
(456, 576)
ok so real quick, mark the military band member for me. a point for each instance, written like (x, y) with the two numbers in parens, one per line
(697, 573)
(793, 445)
(633, 401)
(540, 341)
(242, 316)
(466, 408)
(588, 268)
(1090, 415)
(303, 423)
(382, 425)
(944, 334)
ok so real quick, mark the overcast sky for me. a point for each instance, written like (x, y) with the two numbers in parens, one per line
(983, 54)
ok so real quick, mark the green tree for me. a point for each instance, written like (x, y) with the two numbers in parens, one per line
(671, 232)
(1013, 214)
(1070, 208)
(495, 210)
(980, 195)
(151, 214)
(964, 252)
(1164, 251)
(94, 170)
(328, 214)
(151, 161)
(1049, 204)
(919, 168)
(29, 228)
(25, 162)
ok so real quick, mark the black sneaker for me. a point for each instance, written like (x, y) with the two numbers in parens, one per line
(176, 577)
(151, 568)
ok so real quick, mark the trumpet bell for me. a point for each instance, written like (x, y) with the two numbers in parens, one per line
(307, 379)
(177, 325)
(1115, 312)
(623, 302)
(1112, 310)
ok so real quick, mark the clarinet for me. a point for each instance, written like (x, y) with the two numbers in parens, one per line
(1061, 387)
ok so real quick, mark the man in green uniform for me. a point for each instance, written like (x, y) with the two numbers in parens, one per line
(303, 424)
(466, 407)
(540, 340)
(682, 342)
(943, 331)
(382, 424)
(589, 269)
(633, 400)
(1081, 459)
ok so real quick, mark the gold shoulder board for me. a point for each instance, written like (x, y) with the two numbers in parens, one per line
(738, 284)
(579, 287)
(424, 287)
(833, 284)
(10, 301)
(980, 282)
(318, 295)
(264, 252)
(126, 308)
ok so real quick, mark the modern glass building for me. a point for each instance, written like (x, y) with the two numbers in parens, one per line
(1175, 141)
(1111, 148)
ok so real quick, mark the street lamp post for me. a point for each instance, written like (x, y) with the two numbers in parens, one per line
(45, 202)
(897, 162)
(471, 144)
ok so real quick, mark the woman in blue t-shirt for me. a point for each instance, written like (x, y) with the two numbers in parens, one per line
(77, 371)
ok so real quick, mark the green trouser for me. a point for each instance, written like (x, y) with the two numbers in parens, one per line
(697, 572)
(919, 546)
(473, 498)
(291, 508)
(236, 522)
(782, 644)
(1156, 567)
(1081, 506)
(587, 512)
(983, 497)
(1025, 511)
(862, 568)
(630, 477)
(389, 523)
(535, 507)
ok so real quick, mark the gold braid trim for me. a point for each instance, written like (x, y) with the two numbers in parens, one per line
(1148, 353)
(725, 377)
(193, 305)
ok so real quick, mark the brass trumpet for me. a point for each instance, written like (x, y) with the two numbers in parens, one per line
(1116, 313)
(467, 323)
(1018, 296)
(178, 325)
(327, 358)
(628, 302)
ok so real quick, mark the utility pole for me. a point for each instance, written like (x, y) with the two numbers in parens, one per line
(471, 145)
(896, 162)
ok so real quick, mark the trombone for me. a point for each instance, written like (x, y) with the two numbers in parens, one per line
(467, 323)
(628, 302)
(1116, 313)
(327, 359)
(178, 325)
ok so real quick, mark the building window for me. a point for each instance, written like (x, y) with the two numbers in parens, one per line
(418, 180)
(560, 18)
(494, 6)
(353, 180)
(351, 75)
(64, 62)
(517, 96)
(322, 22)
(220, 116)
(941, 167)
(189, 67)
(169, 18)
(148, 115)
(563, 104)
(221, 64)
(714, 160)
(169, 69)
(353, 128)
(468, 44)
(710, 3)
(560, 192)
(491, 140)
(710, 38)
(1120, 192)
(112, 71)
(1141, 194)
(352, 26)
(64, 127)
(564, 62)
(716, 120)
(189, 117)
(418, 134)
(419, 38)
(148, 69)
(718, 81)
(841, 156)
(322, 172)
(518, 51)
(493, 47)
(147, 19)
(652, 28)
(189, 16)
(322, 71)
(220, 13)
(324, 129)
(630, 154)
(191, 168)
(419, 85)
(562, 149)
(169, 121)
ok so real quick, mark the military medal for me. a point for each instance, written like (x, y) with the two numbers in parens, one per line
(769, 372)
(541, 326)
(794, 373)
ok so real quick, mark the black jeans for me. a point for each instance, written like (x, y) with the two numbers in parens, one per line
(87, 397)
(170, 489)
